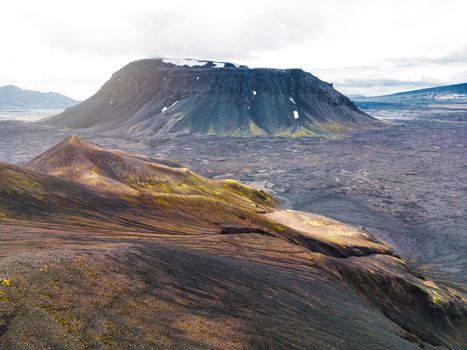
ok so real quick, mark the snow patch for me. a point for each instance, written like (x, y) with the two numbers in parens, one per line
(181, 62)
(254, 92)
(166, 108)
(292, 100)
(296, 115)
(449, 96)
(197, 78)
(112, 101)
(184, 62)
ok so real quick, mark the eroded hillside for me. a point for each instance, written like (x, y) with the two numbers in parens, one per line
(104, 249)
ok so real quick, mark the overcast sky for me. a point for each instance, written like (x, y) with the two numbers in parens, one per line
(362, 46)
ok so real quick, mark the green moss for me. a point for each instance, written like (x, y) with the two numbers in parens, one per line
(256, 130)
(183, 188)
(333, 126)
(279, 228)
(66, 318)
(160, 200)
(90, 274)
(108, 337)
(7, 282)
(257, 196)
(304, 133)
(28, 184)
(437, 297)
(132, 179)
(211, 130)
(284, 133)
(4, 297)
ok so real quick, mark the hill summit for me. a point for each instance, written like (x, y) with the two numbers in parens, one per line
(185, 96)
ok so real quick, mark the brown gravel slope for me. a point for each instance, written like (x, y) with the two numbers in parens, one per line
(106, 250)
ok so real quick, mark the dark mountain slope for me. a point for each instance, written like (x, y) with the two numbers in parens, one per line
(160, 97)
(12, 97)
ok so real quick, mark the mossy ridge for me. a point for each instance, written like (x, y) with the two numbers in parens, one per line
(192, 184)
(256, 196)
(133, 176)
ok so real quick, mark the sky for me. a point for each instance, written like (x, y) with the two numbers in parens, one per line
(363, 47)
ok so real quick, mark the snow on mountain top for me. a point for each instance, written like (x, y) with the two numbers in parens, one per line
(181, 62)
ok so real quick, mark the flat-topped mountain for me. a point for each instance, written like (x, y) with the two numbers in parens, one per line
(183, 96)
(450, 95)
(12, 97)
(102, 248)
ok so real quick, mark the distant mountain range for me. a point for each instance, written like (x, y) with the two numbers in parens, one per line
(13, 97)
(186, 96)
(442, 95)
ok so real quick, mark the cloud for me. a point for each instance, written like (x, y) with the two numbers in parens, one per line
(74, 46)
(459, 57)
(375, 87)
(179, 28)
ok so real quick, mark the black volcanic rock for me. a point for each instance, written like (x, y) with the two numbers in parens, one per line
(162, 96)
(12, 97)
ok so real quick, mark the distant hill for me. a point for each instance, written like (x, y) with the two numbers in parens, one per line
(186, 96)
(442, 95)
(13, 97)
